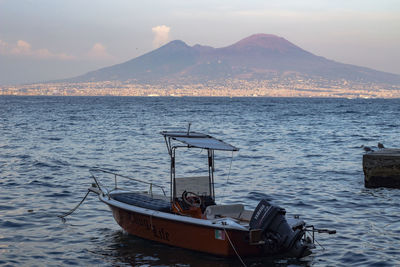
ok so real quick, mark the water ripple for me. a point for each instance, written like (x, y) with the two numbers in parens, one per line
(301, 154)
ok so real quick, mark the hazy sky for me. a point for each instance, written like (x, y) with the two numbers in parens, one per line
(52, 39)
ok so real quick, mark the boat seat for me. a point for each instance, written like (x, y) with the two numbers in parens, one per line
(246, 215)
(143, 201)
(218, 211)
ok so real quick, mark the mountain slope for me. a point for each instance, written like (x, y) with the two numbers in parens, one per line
(260, 56)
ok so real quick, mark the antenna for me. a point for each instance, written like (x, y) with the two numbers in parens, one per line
(188, 131)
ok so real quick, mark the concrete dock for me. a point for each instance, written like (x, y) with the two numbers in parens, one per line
(382, 168)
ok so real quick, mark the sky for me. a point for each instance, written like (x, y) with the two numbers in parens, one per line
(44, 40)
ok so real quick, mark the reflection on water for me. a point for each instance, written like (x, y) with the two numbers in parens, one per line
(301, 154)
(131, 250)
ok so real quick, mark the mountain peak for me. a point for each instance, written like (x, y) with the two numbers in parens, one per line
(177, 42)
(266, 41)
(175, 45)
(261, 36)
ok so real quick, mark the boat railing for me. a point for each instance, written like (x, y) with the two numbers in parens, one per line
(116, 176)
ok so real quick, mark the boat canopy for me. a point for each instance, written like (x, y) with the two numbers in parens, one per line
(199, 140)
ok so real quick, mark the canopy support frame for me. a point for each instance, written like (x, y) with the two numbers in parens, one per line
(214, 144)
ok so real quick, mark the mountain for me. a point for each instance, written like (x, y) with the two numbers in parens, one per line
(259, 56)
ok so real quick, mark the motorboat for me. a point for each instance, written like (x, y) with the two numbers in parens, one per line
(189, 217)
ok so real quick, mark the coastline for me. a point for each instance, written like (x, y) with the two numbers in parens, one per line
(237, 88)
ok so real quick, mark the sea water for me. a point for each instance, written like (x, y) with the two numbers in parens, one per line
(302, 154)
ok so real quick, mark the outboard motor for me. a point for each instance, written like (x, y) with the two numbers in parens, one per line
(278, 235)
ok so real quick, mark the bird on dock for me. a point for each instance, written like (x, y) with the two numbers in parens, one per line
(380, 146)
(367, 148)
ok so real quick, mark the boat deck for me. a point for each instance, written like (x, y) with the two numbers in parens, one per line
(143, 200)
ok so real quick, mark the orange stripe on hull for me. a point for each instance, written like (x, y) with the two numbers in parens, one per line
(185, 235)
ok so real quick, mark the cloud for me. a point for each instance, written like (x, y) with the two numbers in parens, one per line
(3, 47)
(23, 48)
(99, 52)
(161, 35)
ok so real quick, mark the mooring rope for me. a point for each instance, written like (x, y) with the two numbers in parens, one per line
(314, 239)
(62, 216)
(319, 244)
(234, 249)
